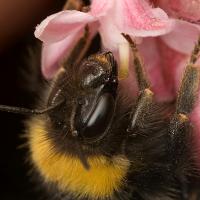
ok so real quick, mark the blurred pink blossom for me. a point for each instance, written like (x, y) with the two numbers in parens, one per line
(60, 31)
(171, 51)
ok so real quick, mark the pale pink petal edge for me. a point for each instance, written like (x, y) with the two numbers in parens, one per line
(60, 25)
(52, 54)
(183, 37)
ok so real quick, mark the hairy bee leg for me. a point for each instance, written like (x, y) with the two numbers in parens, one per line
(195, 52)
(188, 90)
(139, 113)
(179, 127)
(78, 51)
(187, 93)
(179, 123)
(141, 76)
(185, 103)
(146, 95)
(190, 84)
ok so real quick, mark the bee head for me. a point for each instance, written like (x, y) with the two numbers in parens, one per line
(86, 114)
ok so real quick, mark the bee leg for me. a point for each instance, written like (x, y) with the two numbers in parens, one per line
(195, 53)
(78, 51)
(179, 127)
(138, 116)
(187, 95)
(145, 98)
(189, 84)
(142, 80)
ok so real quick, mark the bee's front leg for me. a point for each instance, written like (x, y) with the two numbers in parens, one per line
(180, 129)
(145, 99)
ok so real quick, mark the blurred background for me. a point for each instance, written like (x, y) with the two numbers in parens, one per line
(18, 87)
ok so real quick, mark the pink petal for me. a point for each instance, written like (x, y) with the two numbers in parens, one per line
(183, 37)
(53, 53)
(110, 35)
(185, 9)
(150, 53)
(60, 25)
(172, 64)
(153, 62)
(100, 8)
(137, 18)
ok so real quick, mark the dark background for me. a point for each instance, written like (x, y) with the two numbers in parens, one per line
(18, 87)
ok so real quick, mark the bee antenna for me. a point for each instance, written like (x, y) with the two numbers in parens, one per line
(26, 111)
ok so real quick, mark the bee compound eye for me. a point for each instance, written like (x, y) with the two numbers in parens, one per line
(100, 118)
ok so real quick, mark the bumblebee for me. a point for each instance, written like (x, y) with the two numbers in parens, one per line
(91, 142)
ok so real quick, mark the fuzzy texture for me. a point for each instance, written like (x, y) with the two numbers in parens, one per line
(165, 56)
(151, 161)
(104, 177)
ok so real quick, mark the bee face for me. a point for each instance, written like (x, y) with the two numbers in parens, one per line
(89, 96)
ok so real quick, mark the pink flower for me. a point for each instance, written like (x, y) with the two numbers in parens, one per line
(60, 31)
(170, 52)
